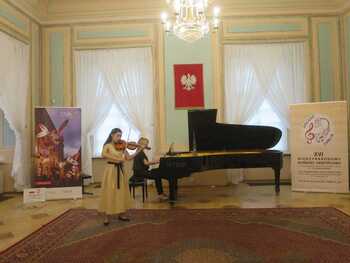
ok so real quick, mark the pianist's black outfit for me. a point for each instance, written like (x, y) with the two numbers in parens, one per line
(142, 171)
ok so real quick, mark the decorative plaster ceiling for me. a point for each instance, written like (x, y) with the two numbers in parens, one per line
(65, 11)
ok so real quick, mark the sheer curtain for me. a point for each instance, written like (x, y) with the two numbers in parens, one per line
(258, 72)
(122, 78)
(129, 76)
(93, 98)
(14, 77)
(241, 82)
(288, 85)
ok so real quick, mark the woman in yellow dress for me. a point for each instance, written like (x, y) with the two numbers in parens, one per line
(115, 197)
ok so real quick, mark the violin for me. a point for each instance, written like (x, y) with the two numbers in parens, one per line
(121, 145)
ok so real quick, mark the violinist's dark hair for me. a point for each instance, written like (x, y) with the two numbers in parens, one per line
(113, 131)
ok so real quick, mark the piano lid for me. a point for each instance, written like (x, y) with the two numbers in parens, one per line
(205, 134)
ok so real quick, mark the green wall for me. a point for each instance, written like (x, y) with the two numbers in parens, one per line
(264, 28)
(57, 68)
(180, 52)
(111, 34)
(326, 71)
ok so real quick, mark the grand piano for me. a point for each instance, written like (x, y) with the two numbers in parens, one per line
(215, 145)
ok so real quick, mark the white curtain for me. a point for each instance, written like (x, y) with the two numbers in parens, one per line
(288, 85)
(120, 77)
(129, 76)
(255, 72)
(243, 92)
(14, 78)
(93, 98)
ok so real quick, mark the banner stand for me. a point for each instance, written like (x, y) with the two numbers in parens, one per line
(57, 155)
(319, 147)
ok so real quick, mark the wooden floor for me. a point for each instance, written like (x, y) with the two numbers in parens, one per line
(18, 220)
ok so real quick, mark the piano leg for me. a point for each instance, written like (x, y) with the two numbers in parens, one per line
(172, 188)
(277, 171)
(176, 186)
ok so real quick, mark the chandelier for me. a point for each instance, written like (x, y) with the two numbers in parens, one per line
(190, 22)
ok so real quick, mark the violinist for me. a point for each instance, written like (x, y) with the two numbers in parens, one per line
(141, 168)
(115, 197)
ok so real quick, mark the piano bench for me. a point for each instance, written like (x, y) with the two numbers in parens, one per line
(136, 182)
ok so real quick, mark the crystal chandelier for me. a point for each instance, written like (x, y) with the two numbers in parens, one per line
(191, 22)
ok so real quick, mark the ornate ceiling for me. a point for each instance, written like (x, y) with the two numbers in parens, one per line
(64, 11)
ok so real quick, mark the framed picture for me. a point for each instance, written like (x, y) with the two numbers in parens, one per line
(189, 91)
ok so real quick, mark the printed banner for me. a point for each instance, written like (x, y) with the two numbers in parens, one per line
(319, 147)
(57, 147)
(189, 86)
(32, 195)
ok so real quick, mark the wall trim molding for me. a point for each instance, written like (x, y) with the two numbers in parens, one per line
(33, 12)
(47, 69)
(113, 34)
(15, 21)
(336, 82)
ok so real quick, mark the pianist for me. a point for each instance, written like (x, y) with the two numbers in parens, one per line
(141, 168)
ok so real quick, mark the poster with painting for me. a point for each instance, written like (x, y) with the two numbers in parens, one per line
(57, 147)
(189, 90)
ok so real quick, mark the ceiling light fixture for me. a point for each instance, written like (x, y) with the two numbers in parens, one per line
(190, 22)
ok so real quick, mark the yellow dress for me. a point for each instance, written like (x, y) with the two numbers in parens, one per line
(114, 200)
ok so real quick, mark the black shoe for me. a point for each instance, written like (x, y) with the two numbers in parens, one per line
(123, 218)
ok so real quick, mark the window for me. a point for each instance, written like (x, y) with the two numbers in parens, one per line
(267, 117)
(114, 120)
(7, 138)
(272, 74)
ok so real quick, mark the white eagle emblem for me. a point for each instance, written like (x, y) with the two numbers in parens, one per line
(188, 81)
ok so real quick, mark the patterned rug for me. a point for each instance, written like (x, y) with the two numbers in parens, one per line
(189, 236)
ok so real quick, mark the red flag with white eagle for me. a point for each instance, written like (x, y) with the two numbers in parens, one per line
(189, 86)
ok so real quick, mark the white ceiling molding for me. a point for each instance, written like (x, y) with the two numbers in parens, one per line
(76, 11)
